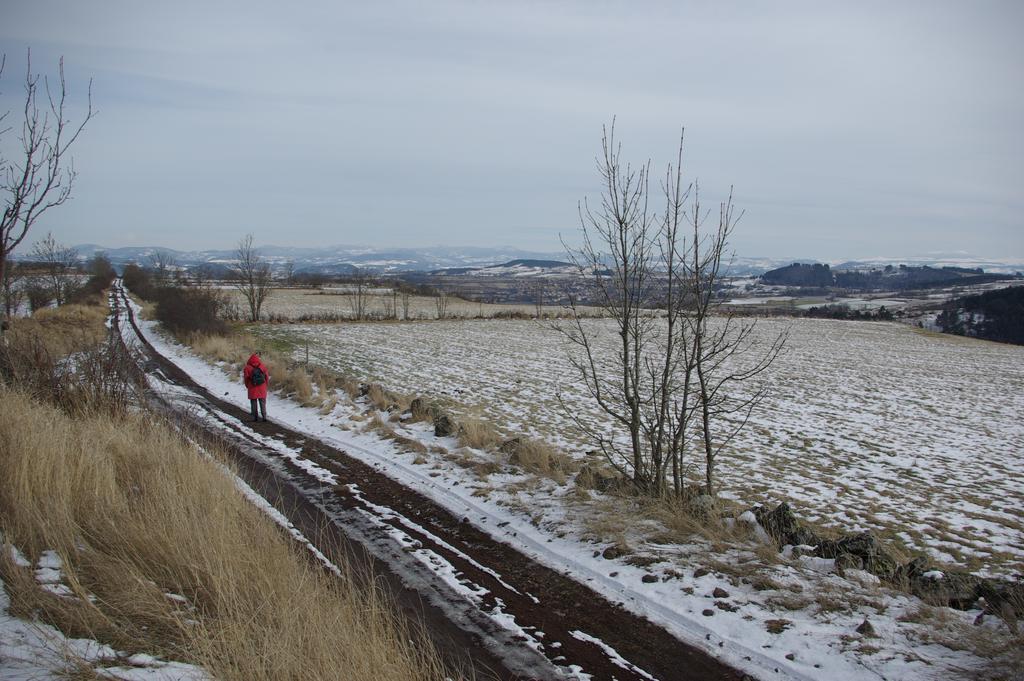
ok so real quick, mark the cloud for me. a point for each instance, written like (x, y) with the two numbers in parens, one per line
(844, 127)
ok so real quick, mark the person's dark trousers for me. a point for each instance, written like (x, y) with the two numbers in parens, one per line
(263, 408)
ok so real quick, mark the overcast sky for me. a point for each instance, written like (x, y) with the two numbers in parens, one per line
(849, 129)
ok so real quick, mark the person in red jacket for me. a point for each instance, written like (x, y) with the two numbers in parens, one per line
(257, 379)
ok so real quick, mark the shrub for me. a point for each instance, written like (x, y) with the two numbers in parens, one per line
(185, 311)
(38, 295)
(138, 281)
(478, 434)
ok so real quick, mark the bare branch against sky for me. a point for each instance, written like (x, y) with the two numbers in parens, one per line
(848, 129)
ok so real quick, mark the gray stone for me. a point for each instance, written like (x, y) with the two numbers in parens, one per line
(611, 553)
(863, 545)
(782, 525)
(443, 425)
(1005, 598)
(865, 629)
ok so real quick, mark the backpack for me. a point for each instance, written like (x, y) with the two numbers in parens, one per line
(257, 377)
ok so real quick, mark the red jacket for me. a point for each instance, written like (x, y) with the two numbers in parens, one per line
(256, 391)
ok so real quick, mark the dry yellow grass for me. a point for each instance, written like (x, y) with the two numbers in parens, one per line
(542, 459)
(380, 398)
(216, 348)
(137, 514)
(478, 434)
(63, 330)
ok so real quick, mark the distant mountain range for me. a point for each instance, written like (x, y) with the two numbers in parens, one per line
(503, 261)
(332, 259)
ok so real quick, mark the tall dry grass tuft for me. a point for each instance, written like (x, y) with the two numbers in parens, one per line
(62, 330)
(215, 347)
(137, 515)
(540, 458)
(294, 381)
(478, 434)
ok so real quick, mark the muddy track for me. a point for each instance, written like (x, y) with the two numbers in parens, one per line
(398, 533)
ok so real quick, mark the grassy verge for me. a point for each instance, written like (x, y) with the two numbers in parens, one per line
(162, 554)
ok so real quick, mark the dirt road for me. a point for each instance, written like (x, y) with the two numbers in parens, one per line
(485, 604)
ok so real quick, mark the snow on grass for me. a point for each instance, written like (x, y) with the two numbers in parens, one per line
(31, 650)
(786, 617)
(869, 426)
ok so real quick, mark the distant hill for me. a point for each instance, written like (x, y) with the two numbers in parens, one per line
(888, 278)
(800, 274)
(994, 315)
(346, 259)
(332, 259)
(520, 267)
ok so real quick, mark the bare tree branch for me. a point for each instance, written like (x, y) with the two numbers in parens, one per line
(252, 277)
(669, 379)
(41, 175)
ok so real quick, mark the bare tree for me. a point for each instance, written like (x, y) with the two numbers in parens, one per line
(40, 175)
(539, 291)
(289, 273)
(405, 296)
(669, 377)
(162, 262)
(359, 294)
(388, 303)
(726, 352)
(59, 264)
(252, 277)
(441, 303)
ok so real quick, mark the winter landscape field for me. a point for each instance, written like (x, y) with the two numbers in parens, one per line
(338, 303)
(871, 426)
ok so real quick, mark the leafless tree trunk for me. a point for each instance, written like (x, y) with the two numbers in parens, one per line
(390, 303)
(41, 175)
(663, 384)
(59, 264)
(539, 291)
(441, 304)
(252, 277)
(289, 273)
(727, 354)
(405, 295)
(358, 296)
(624, 225)
(11, 287)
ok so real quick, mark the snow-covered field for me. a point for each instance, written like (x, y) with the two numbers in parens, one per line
(338, 302)
(868, 426)
(792, 618)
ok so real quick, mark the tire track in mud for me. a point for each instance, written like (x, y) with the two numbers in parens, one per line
(482, 602)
